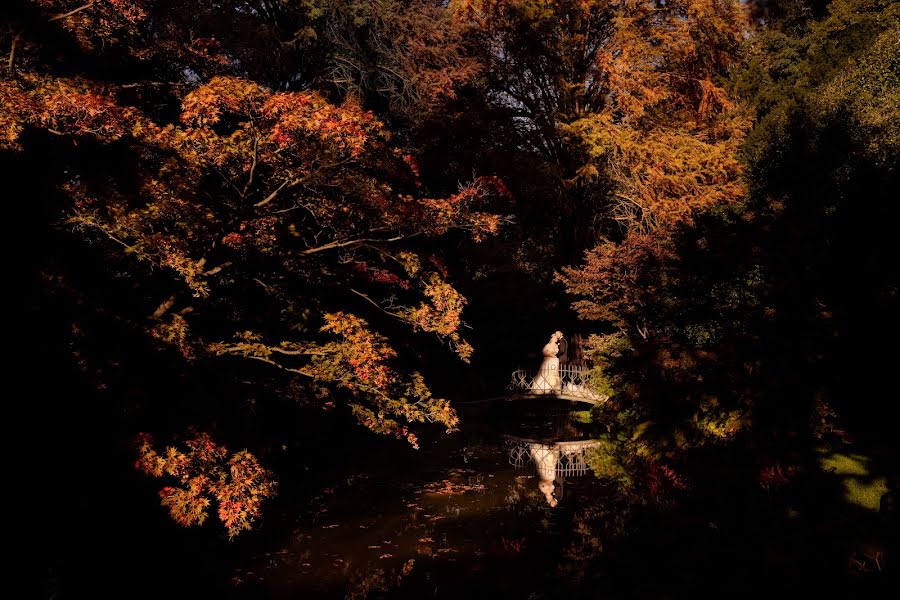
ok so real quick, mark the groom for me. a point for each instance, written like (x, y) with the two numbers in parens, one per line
(563, 348)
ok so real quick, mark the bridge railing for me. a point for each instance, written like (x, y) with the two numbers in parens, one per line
(565, 380)
(568, 458)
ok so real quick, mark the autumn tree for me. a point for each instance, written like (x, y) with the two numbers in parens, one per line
(620, 105)
(628, 100)
(259, 227)
(738, 308)
(628, 106)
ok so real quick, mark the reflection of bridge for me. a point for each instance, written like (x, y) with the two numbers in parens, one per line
(567, 382)
(564, 458)
(554, 461)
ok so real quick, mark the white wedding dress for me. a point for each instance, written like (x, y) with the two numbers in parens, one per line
(547, 378)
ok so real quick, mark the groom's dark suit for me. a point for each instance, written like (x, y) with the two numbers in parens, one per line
(562, 354)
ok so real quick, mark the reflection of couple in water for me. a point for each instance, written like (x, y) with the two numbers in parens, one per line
(553, 461)
(555, 353)
(545, 459)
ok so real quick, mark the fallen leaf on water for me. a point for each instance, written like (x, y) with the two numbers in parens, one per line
(330, 526)
(460, 472)
(450, 487)
(386, 556)
(408, 567)
(425, 540)
(370, 547)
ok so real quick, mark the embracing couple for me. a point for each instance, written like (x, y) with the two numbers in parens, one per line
(555, 353)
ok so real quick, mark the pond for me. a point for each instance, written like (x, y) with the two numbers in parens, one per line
(465, 512)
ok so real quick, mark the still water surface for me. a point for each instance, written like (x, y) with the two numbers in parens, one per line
(453, 520)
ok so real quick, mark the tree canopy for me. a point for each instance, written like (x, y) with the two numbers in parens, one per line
(248, 210)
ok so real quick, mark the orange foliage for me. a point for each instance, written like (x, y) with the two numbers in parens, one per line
(301, 114)
(252, 206)
(667, 139)
(285, 177)
(206, 472)
(412, 53)
(617, 277)
(15, 107)
(360, 351)
(442, 314)
(96, 22)
(359, 361)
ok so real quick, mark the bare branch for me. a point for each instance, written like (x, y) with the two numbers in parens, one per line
(138, 84)
(345, 243)
(163, 308)
(252, 166)
(12, 50)
(218, 269)
(295, 182)
(287, 184)
(72, 12)
(79, 220)
(376, 305)
(281, 350)
(240, 353)
(269, 361)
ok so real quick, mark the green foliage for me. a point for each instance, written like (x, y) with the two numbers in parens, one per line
(713, 422)
(843, 72)
(734, 322)
(861, 487)
(606, 352)
(607, 460)
(581, 416)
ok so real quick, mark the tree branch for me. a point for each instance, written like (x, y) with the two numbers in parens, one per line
(137, 84)
(218, 269)
(169, 302)
(345, 243)
(268, 361)
(12, 50)
(82, 221)
(164, 307)
(252, 166)
(279, 365)
(287, 184)
(295, 182)
(72, 12)
(280, 350)
(376, 305)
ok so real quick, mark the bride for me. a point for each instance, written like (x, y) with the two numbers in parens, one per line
(547, 378)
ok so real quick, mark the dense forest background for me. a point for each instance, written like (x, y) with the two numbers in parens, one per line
(254, 229)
